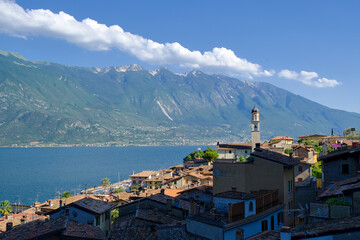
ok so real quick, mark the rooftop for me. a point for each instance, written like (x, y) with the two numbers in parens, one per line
(312, 135)
(203, 188)
(234, 146)
(275, 157)
(164, 198)
(145, 174)
(338, 154)
(235, 195)
(266, 235)
(59, 226)
(55, 203)
(282, 138)
(93, 205)
(343, 225)
(340, 187)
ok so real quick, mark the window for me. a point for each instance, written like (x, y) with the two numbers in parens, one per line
(264, 225)
(230, 151)
(280, 218)
(300, 169)
(251, 207)
(345, 169)
(107, 215)
(272, 222)
(97, 220)
(300, 179)
(245, 151)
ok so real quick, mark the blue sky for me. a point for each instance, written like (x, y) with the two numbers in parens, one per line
(311, 48)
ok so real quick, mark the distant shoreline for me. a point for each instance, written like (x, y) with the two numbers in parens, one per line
(83, 146)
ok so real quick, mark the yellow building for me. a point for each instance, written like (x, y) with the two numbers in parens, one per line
(314, 137)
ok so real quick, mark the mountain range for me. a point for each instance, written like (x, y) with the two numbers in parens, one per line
(43, 103)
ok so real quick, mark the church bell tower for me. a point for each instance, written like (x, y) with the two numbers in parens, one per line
(255, 127)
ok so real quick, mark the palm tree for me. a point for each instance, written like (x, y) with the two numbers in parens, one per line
(5, 208)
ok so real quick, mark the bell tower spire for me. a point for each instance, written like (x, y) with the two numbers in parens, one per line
(255, 127)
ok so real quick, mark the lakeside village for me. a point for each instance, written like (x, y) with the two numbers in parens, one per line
(272, 190)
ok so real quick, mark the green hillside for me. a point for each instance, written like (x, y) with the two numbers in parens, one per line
(56, 104)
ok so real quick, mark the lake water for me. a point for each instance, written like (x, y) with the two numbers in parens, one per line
(29, 174)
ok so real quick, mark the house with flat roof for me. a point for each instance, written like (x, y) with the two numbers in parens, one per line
(266, 170)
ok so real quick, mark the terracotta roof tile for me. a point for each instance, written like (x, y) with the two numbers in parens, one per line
(143, 174)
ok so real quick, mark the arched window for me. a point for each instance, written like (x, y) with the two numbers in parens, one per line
(251, 207)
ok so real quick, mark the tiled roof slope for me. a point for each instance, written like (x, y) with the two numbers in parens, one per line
(275, 157)
(93, 205)
(55, 227)
(335, 155)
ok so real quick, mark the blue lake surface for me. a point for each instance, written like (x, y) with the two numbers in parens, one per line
(29, 174)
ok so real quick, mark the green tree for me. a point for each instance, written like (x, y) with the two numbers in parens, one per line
(114, 214)
(336, 201)
(105, 182)
(193, 155)
(242, 159)
(210, 154)
(66, 194)
(318, 149)
(119, 190)
(288, 151)
(316, 170)
(5, 208)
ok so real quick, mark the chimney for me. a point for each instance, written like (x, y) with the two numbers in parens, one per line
(257, 145)
(290, 155)
(50, 203)
(9, 226)
(233, 189)
(162, 191)
(60, 203)
(240, 234)
(332, 186)
(285, 233)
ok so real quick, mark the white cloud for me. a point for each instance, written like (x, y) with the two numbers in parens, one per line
(90, 34)
(309, 78)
